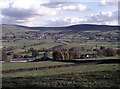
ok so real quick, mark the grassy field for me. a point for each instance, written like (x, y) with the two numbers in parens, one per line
(100, 75)
(81, 76)
(8, 66)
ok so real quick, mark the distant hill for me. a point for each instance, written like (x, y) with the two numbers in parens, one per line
(12, 28)
(80, 27)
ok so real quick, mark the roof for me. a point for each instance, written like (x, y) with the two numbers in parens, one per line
(19, 59)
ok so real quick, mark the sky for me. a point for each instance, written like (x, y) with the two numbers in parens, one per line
(56, 13)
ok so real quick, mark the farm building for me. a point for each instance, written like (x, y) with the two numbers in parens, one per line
(19, 60)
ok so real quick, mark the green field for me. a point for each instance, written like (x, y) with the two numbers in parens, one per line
(8, 66)
(101, 75)
(80, 76)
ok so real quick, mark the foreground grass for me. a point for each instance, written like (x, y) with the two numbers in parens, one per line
(100, 75)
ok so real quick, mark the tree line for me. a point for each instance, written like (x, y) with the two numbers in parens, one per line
(63, 54)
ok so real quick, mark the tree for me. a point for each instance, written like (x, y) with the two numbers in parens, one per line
(118, 52)
(35, 53)
(111, 52)
(66, 55)
(74, 54)
(58, 55)
(4, 55)
(102, 47)
(82, 49)
(100, 53)
(31, 49)
(46, 53)
(26, 56)
(75, 49)
(16, 55)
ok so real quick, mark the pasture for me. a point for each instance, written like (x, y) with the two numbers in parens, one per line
(79, 76)
(100, 75)
(8, 66)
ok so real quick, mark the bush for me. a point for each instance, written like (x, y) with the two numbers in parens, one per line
(58, 55)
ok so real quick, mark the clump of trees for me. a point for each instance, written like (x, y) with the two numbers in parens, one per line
(107, 51)
(73, 53)
(111, 52)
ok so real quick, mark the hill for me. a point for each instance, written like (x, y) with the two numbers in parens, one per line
(80, 27)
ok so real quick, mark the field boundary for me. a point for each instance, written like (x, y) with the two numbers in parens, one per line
(42, 68)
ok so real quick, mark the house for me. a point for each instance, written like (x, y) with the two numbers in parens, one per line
(19, 60)
(84, 56)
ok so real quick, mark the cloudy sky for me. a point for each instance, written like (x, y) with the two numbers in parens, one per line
(54, 13)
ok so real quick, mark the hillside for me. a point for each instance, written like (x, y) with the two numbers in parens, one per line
(80, 27)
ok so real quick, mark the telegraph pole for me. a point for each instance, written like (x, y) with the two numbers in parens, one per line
(96, 53)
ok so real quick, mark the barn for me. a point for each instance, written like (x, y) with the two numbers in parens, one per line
(19, 60)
